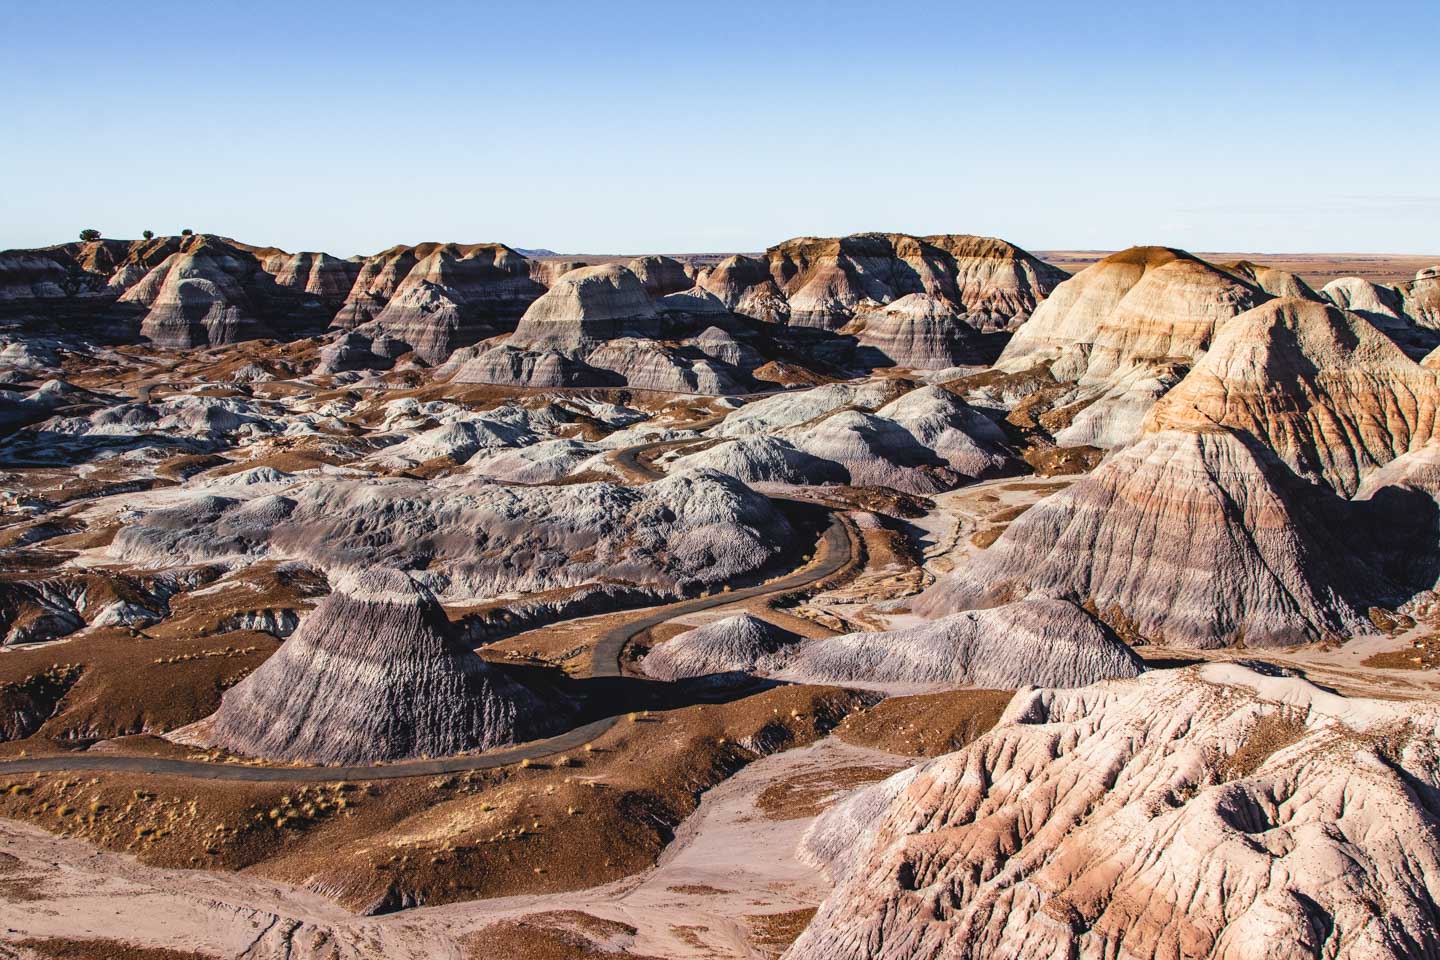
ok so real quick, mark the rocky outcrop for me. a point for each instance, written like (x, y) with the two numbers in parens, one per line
(825, 280)
(969, 442)
(212, 292)
(379, 277)
(1036, 642)
(1274, 281)
(920, 330)
(1387, 308)
(457, 296)
(925, 441)
(1190, 538)
(585, 308)
(660, 275)
(1139, 306)
(1322, 387)
(597, 326)
(320, 274)
(1117, 416)
(1422, 297)
(375, 673)
(744, 285)
(1220, 814)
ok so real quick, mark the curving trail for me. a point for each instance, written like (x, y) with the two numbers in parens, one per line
(833, 554)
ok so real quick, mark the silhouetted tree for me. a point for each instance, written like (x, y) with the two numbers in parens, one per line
(88, 235)
(148, 234)
(187, 232)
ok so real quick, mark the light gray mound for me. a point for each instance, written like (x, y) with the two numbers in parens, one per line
(923, 441)
(967, 440)
(742, 643)
(544, 462)
(792, 409)
(765, 459)
(1035, 642)
(692, 529)
(375, 673)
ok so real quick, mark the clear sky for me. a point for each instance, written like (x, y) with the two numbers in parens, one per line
(635, 127)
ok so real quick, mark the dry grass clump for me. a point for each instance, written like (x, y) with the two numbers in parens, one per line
(773, 932)
(1270, 733)
(926, 725)
(64, 948)
(559, 935)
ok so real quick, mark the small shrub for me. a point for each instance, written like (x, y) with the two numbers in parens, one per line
(89, 234)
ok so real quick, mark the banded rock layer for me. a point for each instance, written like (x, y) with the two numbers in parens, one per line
(375, 673)
(1322, 387)
(825, 280)
(1138, 306)
(1192, 538)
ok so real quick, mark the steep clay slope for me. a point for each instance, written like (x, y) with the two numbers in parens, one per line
(1140, 305)
(1217, 814)
(1187, 537)
(920, 330)
(1322, 387)
(327, 277)
(585, 308)
(376, 673)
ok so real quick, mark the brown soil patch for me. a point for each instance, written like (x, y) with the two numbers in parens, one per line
(1063, 461)
(1270, 733)
(562, 824)
(989, 535)
(926, 725)
(1009, 514)
(187, 465)
(810, 793)
(129, 683)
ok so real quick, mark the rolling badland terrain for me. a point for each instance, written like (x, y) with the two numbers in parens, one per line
(879, 596)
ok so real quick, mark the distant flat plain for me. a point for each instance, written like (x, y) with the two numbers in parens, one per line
(1317, 269)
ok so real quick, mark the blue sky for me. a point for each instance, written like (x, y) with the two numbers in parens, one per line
(635, 127)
